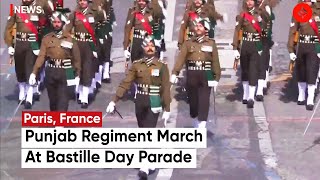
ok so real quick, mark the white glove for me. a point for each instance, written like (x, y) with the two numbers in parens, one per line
(268, 9)
(157, 43)
(36, 52)
(32, 79)
(165, 117)
(110, 107)
(215, 85)
(95, 54)
(259, 18)
(293, 57)
(127, 54)
(77, 80)
(236, 54)
(173, 79)
(225, 17)
(318, 54)
(10, 51)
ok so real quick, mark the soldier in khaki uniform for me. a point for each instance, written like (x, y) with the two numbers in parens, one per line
(203, 71)
(63, 63)
(153, 93)
(84, 20)
(26, 49)
(104, 34)
(250, 47)
(197, 9)
(306, 55)
(267, 43)
(140, 22)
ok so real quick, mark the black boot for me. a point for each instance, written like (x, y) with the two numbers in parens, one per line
(259, 98)
(84, 105)
(36, 96)
(310, 107)
(27, 105)
(250, 103)
(244, 101)
(301, 103)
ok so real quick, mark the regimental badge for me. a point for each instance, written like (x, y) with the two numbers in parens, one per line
(198, 63)
(143, 33)
(142, 20)
(253, 21)
(310, 20)
(82, 35)
(23, 35)
(84, 20)
(307, 38)
(26, 21)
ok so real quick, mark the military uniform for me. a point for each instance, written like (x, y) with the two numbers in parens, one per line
(267, 43)
(306, 55)
(63, 57)
(203, 70)
(84, 22)
(140, 22)
(247, 40)
(152, 79)
(25, 51)
(192, 13)
(104, 34)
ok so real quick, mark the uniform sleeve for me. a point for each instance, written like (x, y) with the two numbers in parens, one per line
(8, 38)
(183, 28)
(127, 29)
(265, 15)
(181, 59)
(239, 21)
(213, 13)
(125, 84)
(293, 29)
(76, 58)
(70, 24)
(165, 88)
(215, 62)
(156, 9)
(41, 57)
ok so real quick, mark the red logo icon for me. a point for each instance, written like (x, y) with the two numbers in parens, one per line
(302, 12)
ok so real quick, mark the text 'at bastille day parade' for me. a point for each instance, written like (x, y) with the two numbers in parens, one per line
(246, 70)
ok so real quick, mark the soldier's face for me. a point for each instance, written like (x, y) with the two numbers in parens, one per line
(57, 24)
(250, 3)
(198, 3)
(142, 3)
(83, 3)
(199, 29)
(150, 49)
(27, 2)
(307, 2)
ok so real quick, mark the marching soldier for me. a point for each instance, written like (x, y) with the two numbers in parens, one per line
(63, 57)
(306, 55)
(104, 34)
(26, 49)
(153, 94)
(267, 43)
(251, 48)
(197, 9)
(84, 20)
(203, 71)
(140, 22)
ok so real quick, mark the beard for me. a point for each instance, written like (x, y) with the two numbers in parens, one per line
(27, 3)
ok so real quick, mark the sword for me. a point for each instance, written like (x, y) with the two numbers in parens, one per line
(17, 108)
(115, 110)
(314, 112)
(315, 142)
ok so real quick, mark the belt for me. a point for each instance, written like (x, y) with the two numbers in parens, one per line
(264, 33)
(247, 36)
(199, 65)
(59, 63)
(20, 36)
(308, 39)
(140, 34)
(146, 89)
(80, 36)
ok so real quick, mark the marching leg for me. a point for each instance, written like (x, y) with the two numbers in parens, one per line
(245, 85)
(259, 96)
(85, 97)
(302, 92)
(252, 90)
(28, 103)
(22, 91)
(310, 100)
